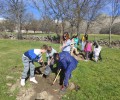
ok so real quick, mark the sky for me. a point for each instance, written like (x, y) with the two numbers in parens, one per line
(37, 14)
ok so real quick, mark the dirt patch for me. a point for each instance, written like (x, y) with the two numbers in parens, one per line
(45, 84)
(44, 90)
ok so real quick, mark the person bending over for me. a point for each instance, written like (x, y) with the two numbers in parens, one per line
(67, 64)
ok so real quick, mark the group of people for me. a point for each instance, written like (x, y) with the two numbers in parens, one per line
(65, 60)
(92, 50)
(75, 46)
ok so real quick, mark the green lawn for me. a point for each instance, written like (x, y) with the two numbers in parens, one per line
(98, 81)
(102, 36)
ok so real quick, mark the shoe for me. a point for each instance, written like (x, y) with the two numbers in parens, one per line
(33, 80)
(22, 82)
(86, 60)
(63, 89)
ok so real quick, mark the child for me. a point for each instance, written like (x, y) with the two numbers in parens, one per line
(74, 43)
(87, 50)
(97, 51)
(30, 56)
(50, 61)
(83, 43)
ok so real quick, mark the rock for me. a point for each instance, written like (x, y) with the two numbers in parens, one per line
(44, 96)
(9, 84)
(9, 77)
(50, 98)
(16, 85)
(71, 86)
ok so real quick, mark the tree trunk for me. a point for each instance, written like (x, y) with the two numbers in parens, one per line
(78, 32)
(19, 34)
(110, 36)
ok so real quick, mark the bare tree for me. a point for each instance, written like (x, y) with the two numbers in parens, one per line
(115, 12)
(94, 9)
(27, 21)
(1, 6)
(34, 25)
(15, 10)
(9, 25)
(47, 25)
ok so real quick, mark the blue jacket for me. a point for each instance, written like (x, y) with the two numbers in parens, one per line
(33, 54)
(67, 63)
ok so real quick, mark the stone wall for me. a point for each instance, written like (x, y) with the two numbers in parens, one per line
(54, 39)
(31, 37)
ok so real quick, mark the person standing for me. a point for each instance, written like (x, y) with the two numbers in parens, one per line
(87, 50)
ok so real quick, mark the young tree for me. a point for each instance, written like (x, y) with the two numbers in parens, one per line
(27, 21)
(34, 25)
(115, 12)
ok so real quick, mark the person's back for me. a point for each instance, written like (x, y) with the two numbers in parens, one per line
(97, 50)
(88, 47)
(66, 58)
(83, 39)
(66, 63)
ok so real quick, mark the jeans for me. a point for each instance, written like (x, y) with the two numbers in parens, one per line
(83, 45)
(28, 64)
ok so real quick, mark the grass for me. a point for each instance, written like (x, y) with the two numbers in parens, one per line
(98, 81)
(11, 53)
(102, 36)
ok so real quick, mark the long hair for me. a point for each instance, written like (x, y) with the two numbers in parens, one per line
(95, 44)
(66, 35)
(86, 44)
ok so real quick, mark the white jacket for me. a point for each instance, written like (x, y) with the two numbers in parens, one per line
(97, 50)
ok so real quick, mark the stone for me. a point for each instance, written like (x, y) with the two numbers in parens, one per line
(71, 86)
(9, 77)
(9, 84)
(44, 96)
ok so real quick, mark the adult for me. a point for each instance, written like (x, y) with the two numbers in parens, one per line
(67, 64)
